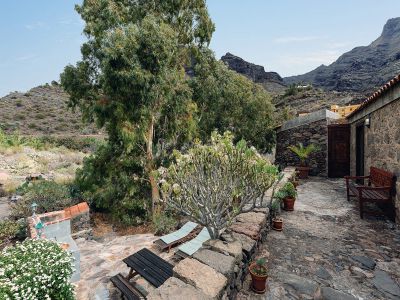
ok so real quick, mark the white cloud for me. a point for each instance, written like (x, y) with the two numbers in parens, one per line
(295, 39)
(26, 57)
(35, 25)
(319, 57)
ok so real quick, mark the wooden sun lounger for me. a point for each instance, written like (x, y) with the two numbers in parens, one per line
(185, 233)
(189, 248)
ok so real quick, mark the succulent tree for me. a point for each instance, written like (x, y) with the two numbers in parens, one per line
(303, 152)
(214, 183)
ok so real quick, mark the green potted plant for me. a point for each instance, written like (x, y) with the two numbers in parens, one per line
(288, 195)
(303, 153)
(259, 275)
(277, 222)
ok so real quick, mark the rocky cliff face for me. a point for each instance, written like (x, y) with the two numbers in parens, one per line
(270, 80)
(361, 69)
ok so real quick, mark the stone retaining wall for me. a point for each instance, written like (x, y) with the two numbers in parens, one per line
(219, 268)
(309, 129)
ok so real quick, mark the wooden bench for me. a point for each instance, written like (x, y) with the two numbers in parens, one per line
(129, 290)
(379, 189)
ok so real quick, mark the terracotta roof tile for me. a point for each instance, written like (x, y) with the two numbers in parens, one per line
(390, 84)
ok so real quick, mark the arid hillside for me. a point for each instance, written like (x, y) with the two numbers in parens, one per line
(42, 110)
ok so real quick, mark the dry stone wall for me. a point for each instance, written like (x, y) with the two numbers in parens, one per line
(312, 133)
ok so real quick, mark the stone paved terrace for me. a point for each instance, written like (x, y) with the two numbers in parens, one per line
(327, 252)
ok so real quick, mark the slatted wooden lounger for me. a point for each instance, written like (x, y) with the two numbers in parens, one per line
(185, 233)
(191, 247)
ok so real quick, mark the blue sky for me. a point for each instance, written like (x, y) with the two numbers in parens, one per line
(38, 38)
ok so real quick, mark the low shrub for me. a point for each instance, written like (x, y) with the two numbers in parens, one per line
(48, 195)
(36, 269)
(10, 230)
(163, 223)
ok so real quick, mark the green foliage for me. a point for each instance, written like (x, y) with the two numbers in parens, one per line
(11, 229)
(303, 152)
(132, 82)
(291, 90)
(227, 100)
(287, 191)
(214, 183)
(260, 269)
(163, 223)
(36, 269)
(85, 144)
(48, 195)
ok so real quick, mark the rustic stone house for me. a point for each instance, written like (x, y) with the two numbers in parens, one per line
(375, 134)
(306, 129)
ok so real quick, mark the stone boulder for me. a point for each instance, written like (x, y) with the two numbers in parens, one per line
(222, 263)
(232, 248)
(176, 289)
(201, 276)
(252, 230)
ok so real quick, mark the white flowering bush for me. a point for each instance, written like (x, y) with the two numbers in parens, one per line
(36, 270)
(214, 183)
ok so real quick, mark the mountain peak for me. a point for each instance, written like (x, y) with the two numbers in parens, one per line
(392, 27)
(362, 69)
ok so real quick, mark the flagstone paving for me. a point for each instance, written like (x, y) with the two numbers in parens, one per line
(101, 260)
(327, 252)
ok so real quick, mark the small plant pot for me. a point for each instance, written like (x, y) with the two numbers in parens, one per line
(258, 282)
(277, 224)
(288, 204)
(303, 172)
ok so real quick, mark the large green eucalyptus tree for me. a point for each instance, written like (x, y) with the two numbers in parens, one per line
(132, 81)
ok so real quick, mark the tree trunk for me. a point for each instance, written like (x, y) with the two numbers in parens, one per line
(155, 193)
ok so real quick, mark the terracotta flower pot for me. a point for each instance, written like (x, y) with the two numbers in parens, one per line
(277, 224)
(288, 204)
(303, 172)
(259, 282)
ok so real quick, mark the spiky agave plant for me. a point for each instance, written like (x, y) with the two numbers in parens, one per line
(303, 152)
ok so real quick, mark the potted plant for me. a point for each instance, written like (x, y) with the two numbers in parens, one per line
(277, 222)
(259, 275)
(303, 153)
(295, 182)
(288, 195)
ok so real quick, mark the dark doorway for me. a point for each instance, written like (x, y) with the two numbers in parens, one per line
(360, 150)
(338, 150)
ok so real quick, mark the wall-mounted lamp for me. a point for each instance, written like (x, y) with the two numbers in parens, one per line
(367, 122)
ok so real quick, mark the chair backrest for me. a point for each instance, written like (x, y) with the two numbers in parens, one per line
(379, 177)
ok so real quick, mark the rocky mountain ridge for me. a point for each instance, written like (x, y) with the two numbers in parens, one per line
(271, 81)
(362, 69)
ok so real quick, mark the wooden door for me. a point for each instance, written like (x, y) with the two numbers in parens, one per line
(360, 150)
(338, 150)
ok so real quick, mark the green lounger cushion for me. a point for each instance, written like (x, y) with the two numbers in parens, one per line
(179, 234)
(192, 246)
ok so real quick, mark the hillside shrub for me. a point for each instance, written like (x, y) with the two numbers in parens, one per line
(10, 229)
(164, 222)
(36, 269)
(48, 195)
